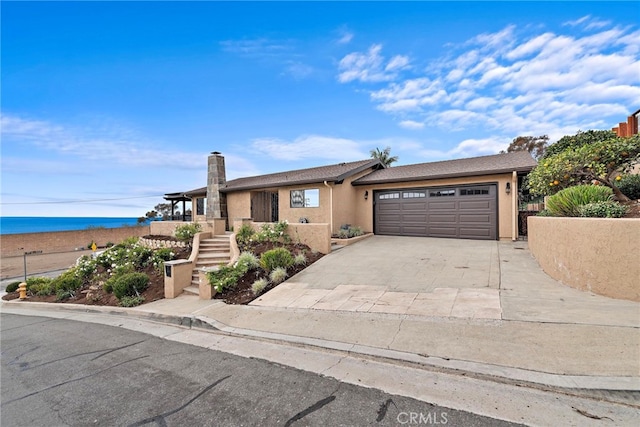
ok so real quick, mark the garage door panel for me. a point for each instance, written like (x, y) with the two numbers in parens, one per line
(443, 218)
(435, 231)
(407, 218)
(467, 212)
(474, 204)
(475, 219)
(442, 205)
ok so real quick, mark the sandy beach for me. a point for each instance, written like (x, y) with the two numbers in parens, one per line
(11, 267)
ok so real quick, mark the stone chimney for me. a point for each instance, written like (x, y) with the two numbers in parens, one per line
(216, 179)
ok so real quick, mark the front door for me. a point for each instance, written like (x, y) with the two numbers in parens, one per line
(264, 206)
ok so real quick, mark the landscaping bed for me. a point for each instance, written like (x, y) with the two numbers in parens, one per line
(242, 293)
(93, 293)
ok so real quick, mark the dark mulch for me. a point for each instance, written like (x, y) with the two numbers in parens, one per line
(92, 293)
(242, 293)
(633, 209)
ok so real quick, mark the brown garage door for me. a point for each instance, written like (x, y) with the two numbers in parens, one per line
(466, 212)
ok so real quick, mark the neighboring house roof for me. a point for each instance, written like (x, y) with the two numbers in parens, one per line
(519, 161)
(331, 173)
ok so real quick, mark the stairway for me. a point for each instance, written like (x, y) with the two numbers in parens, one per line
(212, 252)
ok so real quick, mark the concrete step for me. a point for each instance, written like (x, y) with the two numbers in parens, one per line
(193, 289)
(213, 255)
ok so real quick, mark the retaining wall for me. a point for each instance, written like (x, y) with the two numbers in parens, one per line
(64, 241)
(592, 254)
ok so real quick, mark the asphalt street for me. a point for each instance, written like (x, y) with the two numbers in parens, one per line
(58, 372)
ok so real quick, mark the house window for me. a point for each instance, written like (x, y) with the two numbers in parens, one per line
(442, 193)
(387, 196)
(309, 198)
(474, 191)
(201, 206)
(414, 194)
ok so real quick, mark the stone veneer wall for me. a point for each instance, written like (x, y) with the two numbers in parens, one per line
(592, 254)
(64, 241)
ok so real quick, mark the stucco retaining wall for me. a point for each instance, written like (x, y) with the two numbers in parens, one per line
(316, 236)
(592, 254)
(63, 241)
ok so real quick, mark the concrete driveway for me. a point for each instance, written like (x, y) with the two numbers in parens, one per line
(444, 278)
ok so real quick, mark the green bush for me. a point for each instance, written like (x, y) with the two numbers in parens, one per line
(630, 186)
(34, 282)
(107, 286)
(259, 286)
(274, 258)
(130, 284)
(186, 232)
(67, 281)
(128, 301)
(12, 287)
(607, 209)
(278, 275)
(544, 212)
(226, 277)
(245, 236)
(566, 202)
(63, 294)
(164, 254)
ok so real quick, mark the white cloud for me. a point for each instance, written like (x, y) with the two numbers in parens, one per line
(345, 37)
(469, 148)
(310, 146)
(370, 66)
(115, 145)
(411, 124)
(518, 80)
(256, 47)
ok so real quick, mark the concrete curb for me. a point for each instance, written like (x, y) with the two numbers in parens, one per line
(484, 371)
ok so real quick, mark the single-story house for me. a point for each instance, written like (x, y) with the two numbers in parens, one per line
(471, 198)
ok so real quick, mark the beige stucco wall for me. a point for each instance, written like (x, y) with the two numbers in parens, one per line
(315, 235)
(593, 254)
(350, 207)
(506, 213)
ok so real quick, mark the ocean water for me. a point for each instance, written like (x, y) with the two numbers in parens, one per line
(34, 224)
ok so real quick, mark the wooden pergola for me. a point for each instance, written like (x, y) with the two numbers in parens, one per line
(174, 199)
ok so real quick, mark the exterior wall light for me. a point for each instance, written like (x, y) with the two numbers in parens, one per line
(366, 194)
(508, 188)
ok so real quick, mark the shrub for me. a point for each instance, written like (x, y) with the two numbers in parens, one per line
(343, 233)
(276, 233)
(67, 281)
(278, 275)
(130, 284)
(107, 286)
(544, 212)
(186, 232)
(64, 294)
(355, 231)
(226, 277)
(12, 287)
(630, 186)
(164, 254)
(566, 202)
(248, 260)
(129, 301)
(300, 259)
(45, 289)
(607, 209)
(244, 236)
(109, 244)
(258, 286)
(274, 258)
(34, 282)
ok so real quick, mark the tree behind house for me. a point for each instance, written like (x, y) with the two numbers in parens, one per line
(384, 156)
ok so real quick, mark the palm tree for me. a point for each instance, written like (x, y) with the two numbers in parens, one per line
(384, 156)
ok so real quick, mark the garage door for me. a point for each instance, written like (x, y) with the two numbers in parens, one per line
(468, 212)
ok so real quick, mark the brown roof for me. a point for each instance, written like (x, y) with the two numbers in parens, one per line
(520, 161)
(331, 173)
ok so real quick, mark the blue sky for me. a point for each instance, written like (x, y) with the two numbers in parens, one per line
(107, 106)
